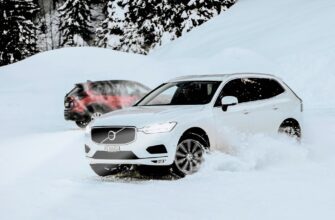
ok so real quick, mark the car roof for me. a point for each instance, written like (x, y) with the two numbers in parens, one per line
(109, 81)
(220, 77)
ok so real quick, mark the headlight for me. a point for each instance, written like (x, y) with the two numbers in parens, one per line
(158, 128)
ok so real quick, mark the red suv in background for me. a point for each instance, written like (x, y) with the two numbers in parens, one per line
(87, 101)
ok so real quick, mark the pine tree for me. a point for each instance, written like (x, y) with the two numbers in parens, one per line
(18, 32)
(152, 22)
(196, 12)
(112, 28)
(144, 28)
(172, 19)
(75, 18)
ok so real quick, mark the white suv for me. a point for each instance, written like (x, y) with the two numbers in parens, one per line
(179, 120)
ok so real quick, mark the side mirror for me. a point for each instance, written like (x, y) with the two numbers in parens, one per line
(228, 101)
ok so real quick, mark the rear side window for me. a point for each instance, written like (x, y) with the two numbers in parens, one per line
(99, 88)
(269, 88)
(251, 89)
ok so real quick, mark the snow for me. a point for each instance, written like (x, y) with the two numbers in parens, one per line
(44, 174)
(292, 39)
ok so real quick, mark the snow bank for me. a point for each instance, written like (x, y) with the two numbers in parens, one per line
(42, 164)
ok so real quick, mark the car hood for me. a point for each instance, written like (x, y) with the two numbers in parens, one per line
(140, 116)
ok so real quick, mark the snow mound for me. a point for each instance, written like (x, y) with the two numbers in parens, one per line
(291, 39)
(42, 162)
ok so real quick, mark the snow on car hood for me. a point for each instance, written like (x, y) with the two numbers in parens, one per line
(140, 116)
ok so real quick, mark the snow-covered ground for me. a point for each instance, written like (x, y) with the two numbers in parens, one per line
(44, 174)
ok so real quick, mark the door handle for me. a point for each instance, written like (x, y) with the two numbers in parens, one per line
(245, 112)
(275, 108)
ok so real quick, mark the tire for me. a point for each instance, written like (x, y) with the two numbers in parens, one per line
(189, 156)
(105, 169)
(291, 129)
(95, 111)
(83, 124)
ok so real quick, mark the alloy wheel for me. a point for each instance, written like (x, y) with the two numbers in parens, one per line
(95, 115)
(189, 156)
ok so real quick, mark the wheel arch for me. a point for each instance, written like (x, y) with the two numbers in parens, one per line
(290, 120)
(198, 132)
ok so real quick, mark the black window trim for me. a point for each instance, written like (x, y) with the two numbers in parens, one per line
(229, 80)
(152, 91)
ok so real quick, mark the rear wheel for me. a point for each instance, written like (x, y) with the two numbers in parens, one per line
(96, 115)
(189, 156)
(94, 111)
(291, 129)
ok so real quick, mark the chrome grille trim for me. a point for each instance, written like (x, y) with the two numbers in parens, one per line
(113, 135)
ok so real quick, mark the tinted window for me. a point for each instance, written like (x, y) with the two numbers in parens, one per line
(99, 88)
(251, 89)
(269, 88)
(118, 89)
(109, 88)
(182, 93)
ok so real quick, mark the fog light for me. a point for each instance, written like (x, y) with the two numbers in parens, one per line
(158, 161)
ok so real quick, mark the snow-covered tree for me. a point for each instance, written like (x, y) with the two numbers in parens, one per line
(171, 15)
(111, 29)
(153, 22)
(75, 19)
(196, 12)
(144, 28)
(18, 32)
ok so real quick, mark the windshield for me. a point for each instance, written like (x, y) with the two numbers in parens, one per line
(181, 93)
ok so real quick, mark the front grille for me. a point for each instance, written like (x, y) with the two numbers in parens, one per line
(113, 135)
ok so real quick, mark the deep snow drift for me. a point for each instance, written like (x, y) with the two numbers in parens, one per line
(44, 174)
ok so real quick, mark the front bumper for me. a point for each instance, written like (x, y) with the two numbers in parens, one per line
(147, 149)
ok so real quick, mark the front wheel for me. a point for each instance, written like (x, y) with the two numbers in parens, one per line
(189, 157)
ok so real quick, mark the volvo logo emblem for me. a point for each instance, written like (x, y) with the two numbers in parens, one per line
(111, 135)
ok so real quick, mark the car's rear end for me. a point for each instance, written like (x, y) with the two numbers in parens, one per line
(75, 110)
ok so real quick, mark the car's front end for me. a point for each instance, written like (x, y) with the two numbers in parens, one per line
(138, 135)
(129, 144)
